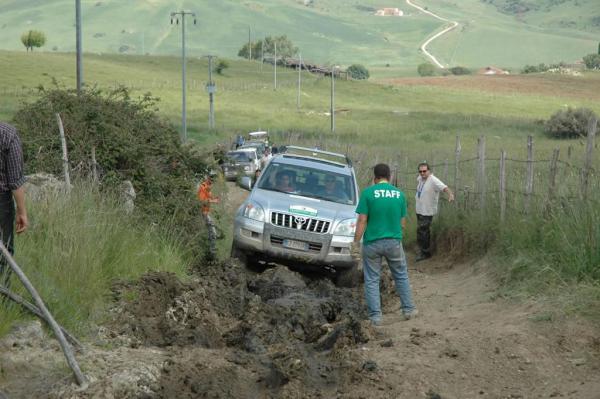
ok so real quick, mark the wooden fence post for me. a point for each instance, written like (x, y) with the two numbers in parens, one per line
(445, 174)
(502, 186)
(457, 150)
(553, 172)
(65, 158)
(587, 164)
(529, 178)
(94, 166)
(481, 170)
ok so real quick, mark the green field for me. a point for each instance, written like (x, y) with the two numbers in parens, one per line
(328, 31)
(422, 119)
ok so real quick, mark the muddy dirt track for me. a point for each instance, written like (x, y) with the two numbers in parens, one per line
(233, 333)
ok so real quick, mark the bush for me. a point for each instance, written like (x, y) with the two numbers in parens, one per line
(592, 61)
(426, 69)
(358, 72)
(221, 66)
(459, 70)
(132, 143)
(569, 123)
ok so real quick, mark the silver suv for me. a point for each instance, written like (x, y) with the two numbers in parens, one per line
(301, 212)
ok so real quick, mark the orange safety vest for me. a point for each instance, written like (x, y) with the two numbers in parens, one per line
(205, 196)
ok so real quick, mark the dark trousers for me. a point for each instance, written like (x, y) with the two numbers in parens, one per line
(7, 228)
(424, 233)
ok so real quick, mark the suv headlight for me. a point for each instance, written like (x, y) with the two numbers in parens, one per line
(345, 228)
(247, 168)
(255, 212)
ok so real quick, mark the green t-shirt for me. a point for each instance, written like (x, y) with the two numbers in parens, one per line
(385, 206)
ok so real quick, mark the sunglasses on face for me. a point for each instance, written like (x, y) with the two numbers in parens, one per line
(423, 171)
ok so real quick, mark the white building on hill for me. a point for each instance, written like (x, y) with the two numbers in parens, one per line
(389, 12)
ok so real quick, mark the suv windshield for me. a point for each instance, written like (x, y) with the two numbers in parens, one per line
(238, 156)
(308, 182)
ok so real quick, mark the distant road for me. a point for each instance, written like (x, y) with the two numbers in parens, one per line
(454, 24)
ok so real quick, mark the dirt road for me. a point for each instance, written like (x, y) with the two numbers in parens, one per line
(231, 333)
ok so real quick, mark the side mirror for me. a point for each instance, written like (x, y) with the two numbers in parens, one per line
(246, 183)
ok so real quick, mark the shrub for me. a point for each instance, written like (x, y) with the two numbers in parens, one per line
(358, 71)
(221, 66)
(592, 61)
(132, 143)
(569, 123)
(426, 69)
(459, 70)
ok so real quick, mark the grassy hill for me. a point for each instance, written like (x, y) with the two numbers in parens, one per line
(336, 31)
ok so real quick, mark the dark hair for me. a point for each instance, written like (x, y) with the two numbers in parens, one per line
(424, 164)
(381, 171)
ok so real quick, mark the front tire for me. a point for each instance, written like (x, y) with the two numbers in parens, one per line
(348, 278)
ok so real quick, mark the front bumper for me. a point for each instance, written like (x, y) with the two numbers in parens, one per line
(266, 241)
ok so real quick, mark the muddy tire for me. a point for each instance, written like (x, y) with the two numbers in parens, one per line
(348, 278)
(248, 261)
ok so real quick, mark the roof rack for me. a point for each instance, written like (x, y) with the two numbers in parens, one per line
(332, 157)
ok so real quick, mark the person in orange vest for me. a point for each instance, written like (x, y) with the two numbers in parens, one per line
(206, 198)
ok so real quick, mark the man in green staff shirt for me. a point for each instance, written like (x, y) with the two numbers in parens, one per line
(381, 219)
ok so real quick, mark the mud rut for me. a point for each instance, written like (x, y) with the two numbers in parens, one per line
(233, 333)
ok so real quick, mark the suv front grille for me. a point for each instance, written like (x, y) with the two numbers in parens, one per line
(297, 222)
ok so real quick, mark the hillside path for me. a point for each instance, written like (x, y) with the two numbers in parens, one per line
(453, 25)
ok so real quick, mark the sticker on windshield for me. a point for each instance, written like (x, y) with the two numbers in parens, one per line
(303, 210)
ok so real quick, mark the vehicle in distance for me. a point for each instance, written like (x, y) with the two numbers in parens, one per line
(241, 162)
(301, 212)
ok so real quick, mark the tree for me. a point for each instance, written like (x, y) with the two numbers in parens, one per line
(460, 70)
(426, 69)
(358, 71)
(33, 38)
(592, 61)
(221, 66)
(285, 48)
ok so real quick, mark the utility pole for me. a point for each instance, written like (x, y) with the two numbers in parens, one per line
(249, 46)
(332, 107)
(299, 83)
(177, 15)
(78, 45)
(275, 68)
(211, 88)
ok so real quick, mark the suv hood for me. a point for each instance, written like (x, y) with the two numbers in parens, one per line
(282, 202)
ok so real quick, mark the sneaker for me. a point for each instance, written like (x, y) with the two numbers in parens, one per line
(376, 323)
(422, 257)
(410, 315)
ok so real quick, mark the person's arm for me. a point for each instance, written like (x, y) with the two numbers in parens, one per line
(21, 219)
(403, 223)
(361, 225)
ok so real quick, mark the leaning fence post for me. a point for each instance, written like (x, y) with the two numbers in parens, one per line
(445, 175)
(457, 150)
(529, 178)
(502, 186)
(66, 348)
(65, 158)
(587, 164)
(481, 170)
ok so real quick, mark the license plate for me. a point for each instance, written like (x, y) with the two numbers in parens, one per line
(293, 244)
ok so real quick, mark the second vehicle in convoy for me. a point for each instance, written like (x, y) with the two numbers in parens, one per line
(241, 162)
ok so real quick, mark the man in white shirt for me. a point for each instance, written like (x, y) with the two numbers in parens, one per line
(428, 194)
(266, 158)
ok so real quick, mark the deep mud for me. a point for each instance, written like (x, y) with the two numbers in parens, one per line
(279, 331)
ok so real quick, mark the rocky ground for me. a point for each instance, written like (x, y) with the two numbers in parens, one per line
(233, 333)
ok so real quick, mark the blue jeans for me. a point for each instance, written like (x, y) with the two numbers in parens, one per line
(372, 255)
